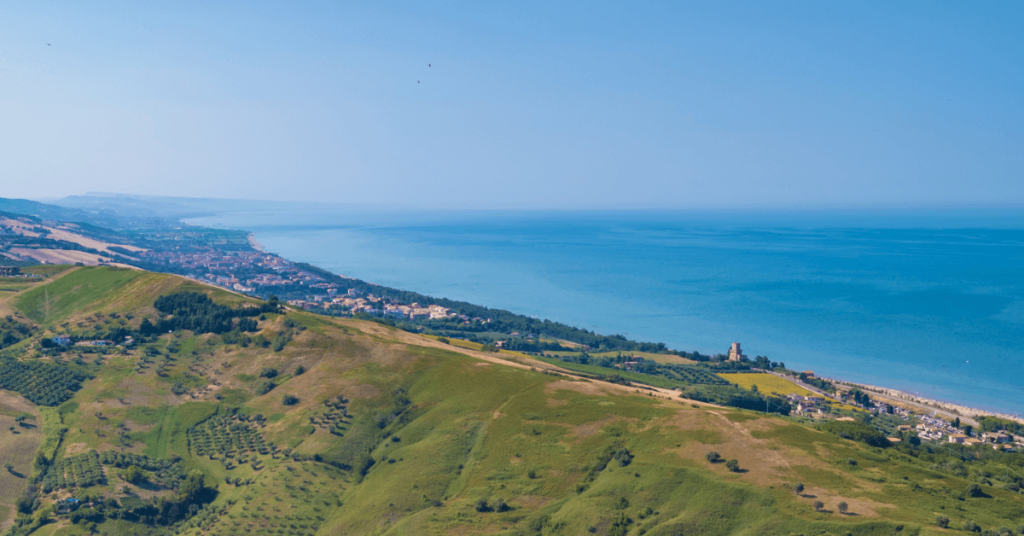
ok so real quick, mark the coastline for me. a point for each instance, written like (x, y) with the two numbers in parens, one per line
(960, 410)
(255, 243)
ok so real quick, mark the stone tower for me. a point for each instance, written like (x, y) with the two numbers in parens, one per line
(735, 354)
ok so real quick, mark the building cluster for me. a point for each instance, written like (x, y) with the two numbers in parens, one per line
(375, 306)
(242, 271)
(806, 405)
(935, 429)
(248, 271)
(633, 362)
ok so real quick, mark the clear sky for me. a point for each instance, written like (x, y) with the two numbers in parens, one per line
(525, 105)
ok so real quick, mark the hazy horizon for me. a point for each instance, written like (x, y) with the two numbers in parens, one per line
(531, 106)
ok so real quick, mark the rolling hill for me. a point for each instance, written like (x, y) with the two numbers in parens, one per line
(304, 424)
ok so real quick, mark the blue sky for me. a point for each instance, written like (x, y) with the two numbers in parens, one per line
(526, 105)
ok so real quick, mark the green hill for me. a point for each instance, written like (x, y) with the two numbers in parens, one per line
(310, 425)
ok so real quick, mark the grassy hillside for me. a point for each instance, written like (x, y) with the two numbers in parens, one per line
(312, 425)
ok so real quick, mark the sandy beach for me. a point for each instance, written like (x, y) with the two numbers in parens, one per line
(965, 412)
(255, 244)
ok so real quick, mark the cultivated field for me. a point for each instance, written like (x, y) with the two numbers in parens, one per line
(17, 449)
(767, 383)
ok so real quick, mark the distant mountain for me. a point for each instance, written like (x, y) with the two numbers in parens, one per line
(58, 213)
(163, 210)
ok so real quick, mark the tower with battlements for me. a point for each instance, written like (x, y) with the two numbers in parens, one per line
(735, 354)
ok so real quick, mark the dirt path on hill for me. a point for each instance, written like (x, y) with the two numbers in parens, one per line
(519, 361)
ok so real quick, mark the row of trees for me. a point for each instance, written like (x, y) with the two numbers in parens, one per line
(44, 384)
(227, 435)
(730, 395)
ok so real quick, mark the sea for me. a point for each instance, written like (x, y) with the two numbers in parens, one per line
(927, 301)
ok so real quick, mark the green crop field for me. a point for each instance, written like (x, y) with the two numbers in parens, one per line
(353, 427)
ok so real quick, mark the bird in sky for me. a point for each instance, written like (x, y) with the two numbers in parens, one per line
(417, 81)
(48, 44)
(428, 65)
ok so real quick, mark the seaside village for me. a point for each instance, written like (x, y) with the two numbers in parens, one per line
(246, 271)
(927, 426)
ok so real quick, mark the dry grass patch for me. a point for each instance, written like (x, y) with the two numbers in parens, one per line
(19, 450)
(582, 387)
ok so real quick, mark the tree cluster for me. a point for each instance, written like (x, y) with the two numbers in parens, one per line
(196, 312)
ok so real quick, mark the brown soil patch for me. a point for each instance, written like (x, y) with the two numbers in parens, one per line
(553, 402)
(60, 256)
(764, 462)
(14, 403)
(857, 505)
(362, 390)
(593, 427)
(587, 388)
(75, 448)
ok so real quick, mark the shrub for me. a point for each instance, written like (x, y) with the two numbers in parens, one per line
(971, 526)
(290, 400)
(842, 507)
(501, 506)
(942, 521)
(733, 465)
(798, 488)
(134, 475)
(299, 370)
(482, 506)
(264, 386)
(623, 456)
(268, 372)
(713, 457)
(818, 505)
(974, 490)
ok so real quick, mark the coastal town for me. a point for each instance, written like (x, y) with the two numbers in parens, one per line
(261, 274)
(922, 421)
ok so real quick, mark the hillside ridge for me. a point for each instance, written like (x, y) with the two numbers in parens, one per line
(264, 419)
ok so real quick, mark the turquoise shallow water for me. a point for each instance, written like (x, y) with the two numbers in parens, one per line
(911, 303)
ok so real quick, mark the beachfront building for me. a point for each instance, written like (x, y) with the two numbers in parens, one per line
(735, 354)
(997, 437)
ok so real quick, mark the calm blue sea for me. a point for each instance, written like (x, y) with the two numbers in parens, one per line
(928, 302)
